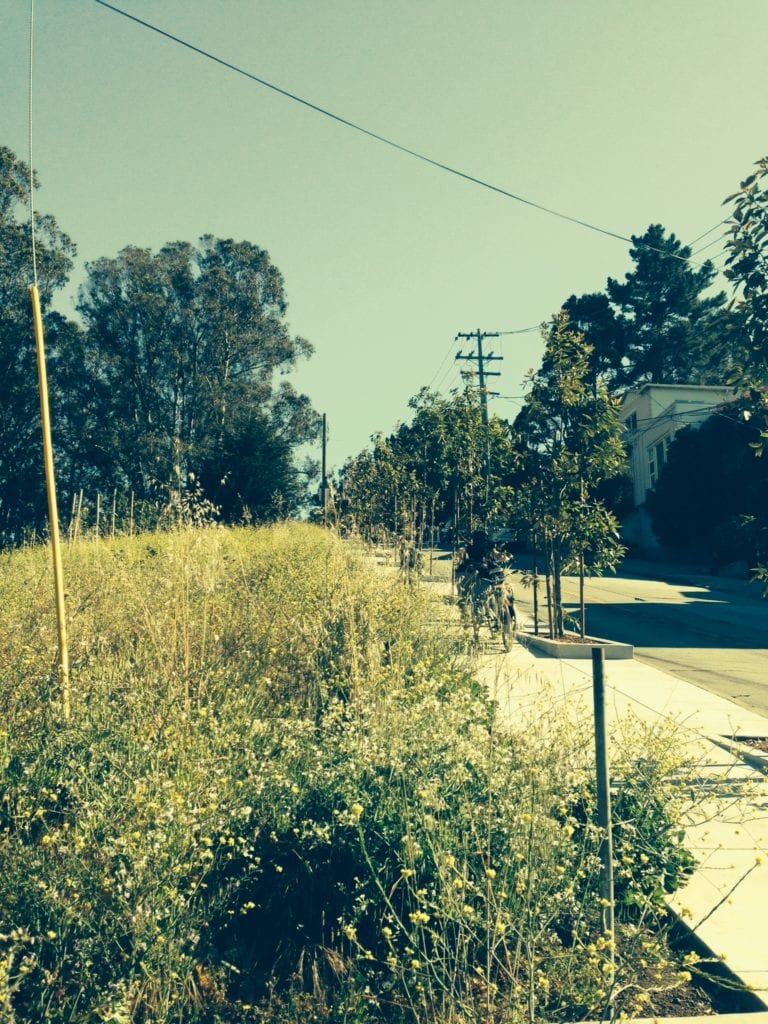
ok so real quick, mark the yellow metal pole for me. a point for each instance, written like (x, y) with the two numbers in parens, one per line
(53, 513)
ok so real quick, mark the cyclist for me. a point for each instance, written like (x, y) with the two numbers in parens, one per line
(480, 555)
(480, 563)
(409, 555)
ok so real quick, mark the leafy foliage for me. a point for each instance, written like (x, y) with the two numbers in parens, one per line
(22, 493)
(281, 797)
(432, 471)
(712, 493)
(747, 262)
(658, 325)
(573, 444)
(747, 269)
(180, 349)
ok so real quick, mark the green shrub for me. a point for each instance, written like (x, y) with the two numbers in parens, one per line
(282, 797)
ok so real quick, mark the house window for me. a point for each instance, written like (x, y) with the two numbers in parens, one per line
(657, 456)
(652, 465)
(631, 422)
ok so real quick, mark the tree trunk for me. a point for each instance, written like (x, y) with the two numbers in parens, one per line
(548, 570)
(535, 584)
(557, 569)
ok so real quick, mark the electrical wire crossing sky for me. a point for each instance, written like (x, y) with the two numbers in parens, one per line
(413, 170)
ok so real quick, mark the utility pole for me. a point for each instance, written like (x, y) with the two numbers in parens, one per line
(481, 359)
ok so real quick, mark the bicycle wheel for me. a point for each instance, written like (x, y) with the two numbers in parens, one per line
(492, 613)
(508, 625)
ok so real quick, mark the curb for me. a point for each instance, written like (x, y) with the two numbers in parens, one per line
(564, 649)
(748, 1004)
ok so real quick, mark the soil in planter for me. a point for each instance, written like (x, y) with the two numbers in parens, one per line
(756, 742)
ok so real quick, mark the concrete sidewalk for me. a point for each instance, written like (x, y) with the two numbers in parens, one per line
(725, 902)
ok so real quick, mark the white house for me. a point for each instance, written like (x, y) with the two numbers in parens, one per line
(652, 415)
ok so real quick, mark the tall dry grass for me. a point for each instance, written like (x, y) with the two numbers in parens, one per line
(283, 797)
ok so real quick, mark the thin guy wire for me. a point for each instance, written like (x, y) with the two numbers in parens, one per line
(31, 165)
(381, 138)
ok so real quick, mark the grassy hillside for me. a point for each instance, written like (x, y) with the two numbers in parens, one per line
(282, 797)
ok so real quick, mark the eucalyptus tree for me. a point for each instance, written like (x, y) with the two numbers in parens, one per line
(370, 485)
(22, 483)
(176, 367)
(572, 443)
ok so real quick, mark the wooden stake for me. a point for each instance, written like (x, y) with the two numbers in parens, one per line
(53, 512)
(79, 514)
(72, 521)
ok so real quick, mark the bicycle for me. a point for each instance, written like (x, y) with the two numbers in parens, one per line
(411, 562)
(486, 599)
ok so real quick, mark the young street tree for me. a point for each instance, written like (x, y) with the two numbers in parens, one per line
(747, 270)
(432, 471)
(172, 378)
(22, 484)
(572, 438)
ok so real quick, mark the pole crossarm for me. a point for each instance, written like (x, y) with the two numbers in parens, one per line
(481, 359)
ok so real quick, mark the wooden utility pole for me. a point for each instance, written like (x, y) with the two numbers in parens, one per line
(481, 359)
(53, 512)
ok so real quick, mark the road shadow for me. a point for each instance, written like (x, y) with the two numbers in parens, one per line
(662, 624)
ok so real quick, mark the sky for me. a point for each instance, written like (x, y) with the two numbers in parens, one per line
(619, 113)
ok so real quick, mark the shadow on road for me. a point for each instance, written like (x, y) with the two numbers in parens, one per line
(662, 624)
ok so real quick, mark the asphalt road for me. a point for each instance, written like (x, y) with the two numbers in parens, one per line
(713, 633)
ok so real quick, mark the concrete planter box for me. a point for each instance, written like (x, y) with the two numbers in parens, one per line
(753, 757)
(570, 649)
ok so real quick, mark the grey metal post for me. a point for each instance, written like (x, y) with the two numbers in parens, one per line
(604, 805)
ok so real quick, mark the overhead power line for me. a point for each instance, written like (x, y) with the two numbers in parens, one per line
(521, 330)
(380, 138)
(707, 232)
(442, 364)
(714, 242)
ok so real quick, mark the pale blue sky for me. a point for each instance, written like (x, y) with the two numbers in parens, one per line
(618, 112)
